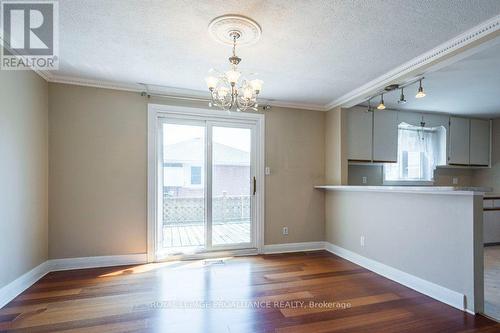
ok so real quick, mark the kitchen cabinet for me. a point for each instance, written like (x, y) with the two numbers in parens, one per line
(469, 142)
(385, 136)
(479, 142)
(359, 134)
(459, 138)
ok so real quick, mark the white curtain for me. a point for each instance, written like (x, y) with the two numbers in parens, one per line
(418, 150)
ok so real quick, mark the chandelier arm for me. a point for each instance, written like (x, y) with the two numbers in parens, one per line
(233, 98)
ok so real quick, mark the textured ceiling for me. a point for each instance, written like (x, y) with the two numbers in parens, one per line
(310, 52)
(470, 86)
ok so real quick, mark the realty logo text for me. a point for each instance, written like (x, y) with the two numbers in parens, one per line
(29, 36)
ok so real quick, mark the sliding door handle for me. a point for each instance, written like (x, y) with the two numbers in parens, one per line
(254, 185)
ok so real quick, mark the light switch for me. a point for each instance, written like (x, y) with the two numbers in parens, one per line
(267, 171)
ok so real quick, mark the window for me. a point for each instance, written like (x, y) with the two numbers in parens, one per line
(420, 150)
(196, 175)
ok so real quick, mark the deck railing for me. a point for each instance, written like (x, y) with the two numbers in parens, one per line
(191, 210)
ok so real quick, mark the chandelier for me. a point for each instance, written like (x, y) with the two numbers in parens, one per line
(231, 89)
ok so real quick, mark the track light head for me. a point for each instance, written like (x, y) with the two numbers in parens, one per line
(421, 92)
(402, 99)
(381, 106)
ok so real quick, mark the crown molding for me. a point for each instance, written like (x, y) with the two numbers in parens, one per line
(486, 30)
(167, 92)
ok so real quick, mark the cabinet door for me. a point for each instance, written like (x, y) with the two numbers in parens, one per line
(385, 136)
(479, 142)
(359, 134)
(459, 141)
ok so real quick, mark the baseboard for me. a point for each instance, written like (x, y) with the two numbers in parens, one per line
(99, 261)
(14, 288)
(425, 287)
(442, 294)
(293, 247)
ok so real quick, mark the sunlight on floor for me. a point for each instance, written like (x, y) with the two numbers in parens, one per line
(174, 264)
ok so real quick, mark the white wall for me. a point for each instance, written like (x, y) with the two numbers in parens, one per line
(23, 173)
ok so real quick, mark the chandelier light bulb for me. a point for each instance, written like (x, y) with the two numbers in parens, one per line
(211, 82)
(223, 91)
(233, 76)
(257, 85)
(381, 106)
(421, 92)
(248, 93)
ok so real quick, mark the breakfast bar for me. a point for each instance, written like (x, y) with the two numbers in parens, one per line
(428, 238)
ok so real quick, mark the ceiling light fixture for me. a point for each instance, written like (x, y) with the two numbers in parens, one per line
(402, 99)
(232, 90)
(381, 106)
(420, 93)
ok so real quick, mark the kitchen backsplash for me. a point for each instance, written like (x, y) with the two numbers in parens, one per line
(373, 175)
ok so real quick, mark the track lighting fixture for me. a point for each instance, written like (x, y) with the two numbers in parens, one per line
(381, 106)
(420, 93)
(402, 99)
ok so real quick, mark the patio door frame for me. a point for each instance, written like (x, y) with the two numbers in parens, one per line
(157, 114)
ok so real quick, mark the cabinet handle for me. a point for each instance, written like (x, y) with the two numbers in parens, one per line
(254, 185)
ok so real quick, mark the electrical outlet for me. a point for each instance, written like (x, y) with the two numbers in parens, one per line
(285, 231)
(455, 180)
(365, 179)
(362, 241)
(267, 171)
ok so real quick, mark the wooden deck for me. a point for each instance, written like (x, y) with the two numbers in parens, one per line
(175, 236)
(291, 290)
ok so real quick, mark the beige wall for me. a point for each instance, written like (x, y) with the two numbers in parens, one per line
(333, 152)
(23, 173)
(491, 177)
(295, 153)
(98, 150)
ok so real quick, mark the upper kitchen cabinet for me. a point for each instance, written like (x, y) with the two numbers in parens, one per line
(479, 142)
(385, 136)
(469, 142)
(458, 152)
(359, 134)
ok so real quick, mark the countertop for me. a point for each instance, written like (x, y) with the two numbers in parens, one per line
(410, 189)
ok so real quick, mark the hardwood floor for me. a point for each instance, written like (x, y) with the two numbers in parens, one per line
(492, 281)
(269, 293)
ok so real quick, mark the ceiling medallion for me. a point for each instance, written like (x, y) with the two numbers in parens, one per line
(230, 89)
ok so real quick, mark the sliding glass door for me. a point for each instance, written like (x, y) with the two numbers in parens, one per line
(206, 186)
(232, 184)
